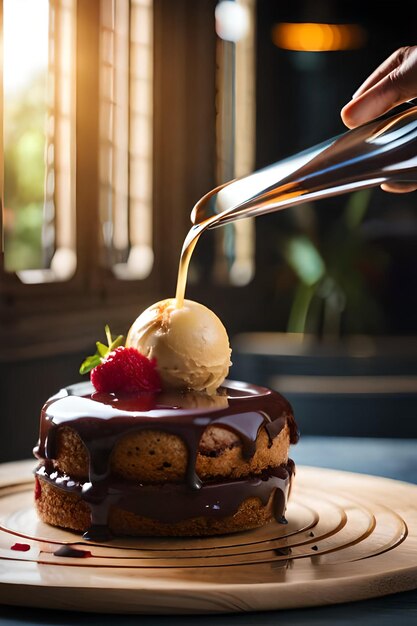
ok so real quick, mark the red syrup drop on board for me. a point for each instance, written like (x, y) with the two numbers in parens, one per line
(38, 489)
(20, 547)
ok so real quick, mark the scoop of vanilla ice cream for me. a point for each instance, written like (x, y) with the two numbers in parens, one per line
(190, 344)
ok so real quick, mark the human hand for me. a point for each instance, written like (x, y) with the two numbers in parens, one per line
(392, 83)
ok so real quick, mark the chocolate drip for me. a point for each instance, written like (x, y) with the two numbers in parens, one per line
(98, 533)
(73, 553)
(247, 427)
(192, 440)
(100, 419)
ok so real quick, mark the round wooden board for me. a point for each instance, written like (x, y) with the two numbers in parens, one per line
(349, 537)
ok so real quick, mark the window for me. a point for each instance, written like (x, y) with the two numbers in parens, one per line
(39, 122)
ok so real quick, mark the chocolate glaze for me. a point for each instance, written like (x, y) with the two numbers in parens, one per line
(101, 419)
(214, 499)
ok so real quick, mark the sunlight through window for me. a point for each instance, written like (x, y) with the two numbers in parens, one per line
(39, 146)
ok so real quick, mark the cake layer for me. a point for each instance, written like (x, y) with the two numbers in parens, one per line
(166, 436)
(164, 509)
(155, 456)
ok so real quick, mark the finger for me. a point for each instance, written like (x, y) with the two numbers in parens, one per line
(375, 101)
(399, 187)
(393, 61)
(399, 85)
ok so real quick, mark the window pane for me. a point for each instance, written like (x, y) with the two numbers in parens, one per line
(39, 147)
(25, 106)
(126, 85)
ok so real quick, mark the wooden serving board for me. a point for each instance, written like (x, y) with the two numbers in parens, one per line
(348, 537)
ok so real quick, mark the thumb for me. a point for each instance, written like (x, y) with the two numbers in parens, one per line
(391, 84)
(378, 100)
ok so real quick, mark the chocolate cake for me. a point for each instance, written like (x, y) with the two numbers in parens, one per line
(171, 463)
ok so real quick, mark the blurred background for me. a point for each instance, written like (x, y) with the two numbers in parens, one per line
(118, 115)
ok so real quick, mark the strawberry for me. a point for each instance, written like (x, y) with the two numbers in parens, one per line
(117, 369)
(126, 369)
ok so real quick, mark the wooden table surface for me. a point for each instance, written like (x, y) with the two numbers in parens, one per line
(389, 458)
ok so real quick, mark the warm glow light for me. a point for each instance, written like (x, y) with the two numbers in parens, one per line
(25, 42)
(313, 37)
(232, 20)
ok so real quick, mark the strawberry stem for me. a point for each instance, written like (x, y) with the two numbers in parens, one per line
(102, 351)
(108, 334)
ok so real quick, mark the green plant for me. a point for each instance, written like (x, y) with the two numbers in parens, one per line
(333, 271)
